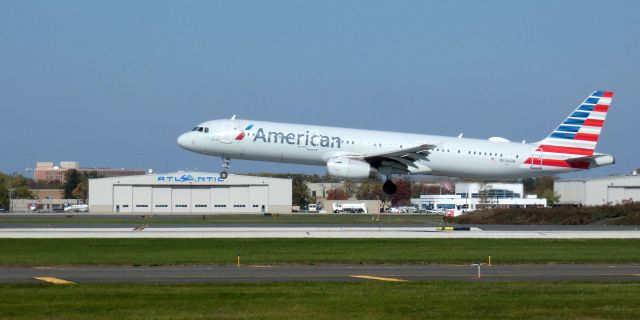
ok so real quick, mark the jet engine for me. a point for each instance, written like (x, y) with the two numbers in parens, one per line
(351, 168)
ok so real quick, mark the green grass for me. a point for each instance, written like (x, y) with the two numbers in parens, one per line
(365, 300)
(48, 252)
(299, 218)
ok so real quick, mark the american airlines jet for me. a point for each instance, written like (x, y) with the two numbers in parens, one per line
(360, 154)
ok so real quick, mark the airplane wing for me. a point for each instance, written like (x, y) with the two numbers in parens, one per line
(405, 156)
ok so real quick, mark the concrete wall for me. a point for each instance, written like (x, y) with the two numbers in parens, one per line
(570, 192)
(21, 205)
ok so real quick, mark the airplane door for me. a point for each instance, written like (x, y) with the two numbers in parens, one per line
(536, 160)
(227, 132)
(314, 140)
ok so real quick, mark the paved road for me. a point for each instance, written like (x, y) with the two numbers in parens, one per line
(382, 232)
(340, 273)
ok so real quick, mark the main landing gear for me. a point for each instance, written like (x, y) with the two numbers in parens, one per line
(226, 163)
(389, 187)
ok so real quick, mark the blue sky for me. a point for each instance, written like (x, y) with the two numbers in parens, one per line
(113, 83)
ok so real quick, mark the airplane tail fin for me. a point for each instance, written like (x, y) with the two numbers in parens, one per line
(578, 134)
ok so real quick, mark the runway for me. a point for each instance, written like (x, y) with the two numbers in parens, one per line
(336, 273)
(145, 231)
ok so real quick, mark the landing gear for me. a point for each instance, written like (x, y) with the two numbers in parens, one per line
(389, 187)
(226, 163)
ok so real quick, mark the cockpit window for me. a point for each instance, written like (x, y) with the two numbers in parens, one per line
(200, 129)
(206, 130)
(195, 129)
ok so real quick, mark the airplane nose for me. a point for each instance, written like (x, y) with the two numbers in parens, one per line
(182, 140)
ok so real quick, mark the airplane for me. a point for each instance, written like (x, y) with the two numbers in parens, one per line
(77, 208)
(362, 154)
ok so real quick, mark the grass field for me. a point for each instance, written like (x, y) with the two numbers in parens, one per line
(47, 252)
(367, 300)
(302, 218)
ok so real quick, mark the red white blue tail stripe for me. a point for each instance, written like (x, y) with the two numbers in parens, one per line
(576, 136)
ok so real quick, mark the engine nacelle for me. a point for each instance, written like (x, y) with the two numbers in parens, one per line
(350, 168)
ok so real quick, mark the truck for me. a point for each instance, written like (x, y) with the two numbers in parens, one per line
(349, 207)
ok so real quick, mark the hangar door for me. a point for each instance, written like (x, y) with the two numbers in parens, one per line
(632, 193)
(122, 198)
(239, 198)
(181, 199)
(258, 199)
(200, 199)
(220, 199)
(161, 197)
(615, 194)
(141, 198)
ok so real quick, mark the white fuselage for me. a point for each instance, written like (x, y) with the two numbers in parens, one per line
(315, 145)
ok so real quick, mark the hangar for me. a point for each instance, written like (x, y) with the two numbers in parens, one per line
(599, 191)
(189, 192)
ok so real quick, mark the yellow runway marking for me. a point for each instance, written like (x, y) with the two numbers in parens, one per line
(140, 228)
(378, 278)
(54, 280)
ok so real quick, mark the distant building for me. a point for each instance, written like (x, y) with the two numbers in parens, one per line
(599, 191)
(49, 172)
(47, 193)
(320, 190)
(472, 196)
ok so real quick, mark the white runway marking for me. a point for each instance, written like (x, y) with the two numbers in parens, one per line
(307, 232)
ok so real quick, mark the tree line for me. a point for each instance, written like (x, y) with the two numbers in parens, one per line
(76, 186)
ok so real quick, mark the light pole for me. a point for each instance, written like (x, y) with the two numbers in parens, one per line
(11, 189)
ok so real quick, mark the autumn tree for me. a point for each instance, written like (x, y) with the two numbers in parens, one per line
(402, 197)
(72, 179)
(14, 187)
(372, 190)
(542, 187)
(337, 194)
(299, 190)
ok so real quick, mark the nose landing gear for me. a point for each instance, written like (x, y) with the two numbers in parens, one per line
(226, 163)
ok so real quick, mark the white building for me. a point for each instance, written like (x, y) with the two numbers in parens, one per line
(471, 196)
(599, 191)
(190, 192)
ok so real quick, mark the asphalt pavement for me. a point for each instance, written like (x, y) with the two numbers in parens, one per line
(319, 273)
